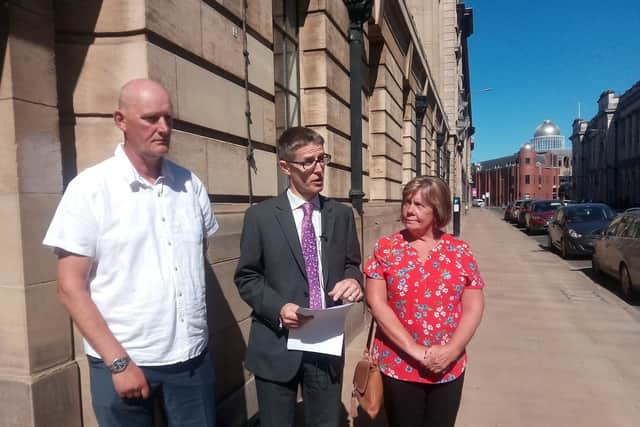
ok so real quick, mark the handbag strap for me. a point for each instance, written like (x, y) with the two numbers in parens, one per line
(372, 328)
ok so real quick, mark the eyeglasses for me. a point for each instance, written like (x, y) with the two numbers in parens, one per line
(307, 164)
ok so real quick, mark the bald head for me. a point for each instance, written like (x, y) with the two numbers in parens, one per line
(145, 117)
(139, 91)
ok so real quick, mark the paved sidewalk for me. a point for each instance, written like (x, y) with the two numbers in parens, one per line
(554, 348)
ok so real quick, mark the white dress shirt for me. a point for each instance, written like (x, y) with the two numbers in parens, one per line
(296, 203)
(146, 241)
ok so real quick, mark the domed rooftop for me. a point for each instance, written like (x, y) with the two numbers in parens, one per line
(547, 128)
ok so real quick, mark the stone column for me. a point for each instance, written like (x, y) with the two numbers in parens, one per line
(38, 378)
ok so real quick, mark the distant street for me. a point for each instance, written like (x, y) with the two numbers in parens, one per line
(556, 347)
(582, 264)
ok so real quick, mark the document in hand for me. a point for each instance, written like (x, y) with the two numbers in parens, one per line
(322, 334)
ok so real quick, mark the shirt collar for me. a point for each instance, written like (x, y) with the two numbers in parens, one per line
(131, 175)
(296, 201)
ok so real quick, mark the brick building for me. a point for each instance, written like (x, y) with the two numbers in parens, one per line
(524, 175)
(62, 63)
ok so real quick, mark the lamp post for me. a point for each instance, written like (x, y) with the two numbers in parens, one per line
(359, 13)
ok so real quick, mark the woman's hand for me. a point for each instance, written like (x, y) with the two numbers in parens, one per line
(439, 357)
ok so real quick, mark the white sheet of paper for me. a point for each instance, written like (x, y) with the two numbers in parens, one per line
(322, 334)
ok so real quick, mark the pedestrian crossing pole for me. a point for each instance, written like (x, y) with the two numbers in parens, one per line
(456, 216)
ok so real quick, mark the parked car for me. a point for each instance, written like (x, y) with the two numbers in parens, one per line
(525, 208)
(540, 214)
(477, 203)
(516, 210)
(507, 211)
(617, 254)
(574, 228)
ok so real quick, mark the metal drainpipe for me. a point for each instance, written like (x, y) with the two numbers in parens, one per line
(359, 13)
(421, 109)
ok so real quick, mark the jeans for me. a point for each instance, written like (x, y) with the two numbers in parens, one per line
(186, 391)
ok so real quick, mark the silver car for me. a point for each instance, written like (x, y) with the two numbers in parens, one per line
(617, 254)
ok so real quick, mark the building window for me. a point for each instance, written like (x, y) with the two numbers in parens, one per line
(539, 179)
(527, 179)
(527, 161)
(286, 65)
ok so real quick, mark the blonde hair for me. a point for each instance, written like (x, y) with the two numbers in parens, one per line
(435, 193)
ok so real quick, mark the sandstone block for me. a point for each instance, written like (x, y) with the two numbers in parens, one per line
(14, 358)
(320, 108)
(56, 398)
(225, 244)
(337, 183)
(200, 101)
(230, 346)
(95, 140)
(391, 63)
(15, 407)
(320, 70)
(31, 51)
(11, 263)
(162, 68)
(222, 46)
(233, 180)
(384, 80)
(8, 164)
(384, 167)
(190, 151)
(384, 146)
(36, 211)
(381, 100)
(382, 189)
(88, 416)
(336, 10)
(381, 122)
(109, 16)
(178, 22)
(319, 32)
(227, 308)
(241, 405)
(38, 148)
(48, 328)
(96, 72)
(259, 15)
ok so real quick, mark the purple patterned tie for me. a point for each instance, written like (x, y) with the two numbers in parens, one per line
(310, 253)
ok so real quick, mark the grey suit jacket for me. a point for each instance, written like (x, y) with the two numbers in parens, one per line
(271, 272)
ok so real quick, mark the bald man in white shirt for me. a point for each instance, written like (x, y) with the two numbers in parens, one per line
(130, 235)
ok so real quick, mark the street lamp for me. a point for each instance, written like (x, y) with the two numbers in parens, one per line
(359, 13)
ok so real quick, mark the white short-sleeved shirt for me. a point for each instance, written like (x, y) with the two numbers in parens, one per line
(146, 241)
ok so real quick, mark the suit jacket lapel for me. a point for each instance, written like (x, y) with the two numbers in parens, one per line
(327, 216)
(285, 218)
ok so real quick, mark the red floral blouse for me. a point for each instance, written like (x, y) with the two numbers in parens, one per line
(426, 297)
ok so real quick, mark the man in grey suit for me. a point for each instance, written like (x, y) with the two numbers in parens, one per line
(298, 249)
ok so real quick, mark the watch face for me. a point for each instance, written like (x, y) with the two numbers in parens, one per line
(119, 365)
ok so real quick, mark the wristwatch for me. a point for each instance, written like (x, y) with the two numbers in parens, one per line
(119, 364)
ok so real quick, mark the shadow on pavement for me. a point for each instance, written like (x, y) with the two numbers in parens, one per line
(608, 283)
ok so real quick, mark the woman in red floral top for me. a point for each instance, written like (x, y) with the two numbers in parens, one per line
(425, 292)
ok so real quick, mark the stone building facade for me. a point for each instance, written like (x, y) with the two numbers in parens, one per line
(62, 63)
(606, 151)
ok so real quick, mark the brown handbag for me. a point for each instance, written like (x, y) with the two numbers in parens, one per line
(367, 382)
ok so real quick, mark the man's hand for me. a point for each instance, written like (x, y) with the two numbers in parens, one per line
(131, 383)
(439, 357)
(347, 290)
(290, 317)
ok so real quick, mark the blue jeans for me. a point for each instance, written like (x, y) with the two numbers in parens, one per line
(186, 390)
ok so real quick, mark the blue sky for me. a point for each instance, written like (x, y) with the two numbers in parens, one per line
(543, 57)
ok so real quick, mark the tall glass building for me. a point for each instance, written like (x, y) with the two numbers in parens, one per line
(547, 137)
